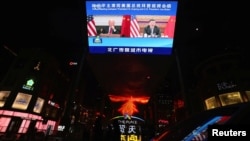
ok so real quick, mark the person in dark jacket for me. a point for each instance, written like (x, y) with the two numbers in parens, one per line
(152, 30)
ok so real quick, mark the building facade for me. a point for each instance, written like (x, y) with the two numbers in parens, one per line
(223, 80)
(33, 94)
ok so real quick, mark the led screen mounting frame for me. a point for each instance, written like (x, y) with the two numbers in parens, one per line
(127, 16)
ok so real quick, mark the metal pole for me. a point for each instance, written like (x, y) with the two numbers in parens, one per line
(182, 85)
(71, 95)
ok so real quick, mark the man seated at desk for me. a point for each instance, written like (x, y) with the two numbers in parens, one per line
(109, 30)
(152, 30)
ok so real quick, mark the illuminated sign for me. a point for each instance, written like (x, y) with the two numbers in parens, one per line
(130, 127)
(29, 85)
(3, 97)
(53, 104)
(73, 63)
(22, 101)
(61, 127)
(226, 85)
(39, 105)
(230, 98)
(129, 107)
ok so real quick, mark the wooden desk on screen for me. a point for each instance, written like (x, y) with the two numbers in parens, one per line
(109, 35)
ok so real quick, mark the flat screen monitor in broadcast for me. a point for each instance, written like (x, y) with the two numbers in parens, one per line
(131, 33)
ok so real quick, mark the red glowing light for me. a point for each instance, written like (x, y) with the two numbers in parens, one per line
(129, 106)
(72, 63)
(179, 103)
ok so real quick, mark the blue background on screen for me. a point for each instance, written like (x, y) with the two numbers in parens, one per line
(144, 11)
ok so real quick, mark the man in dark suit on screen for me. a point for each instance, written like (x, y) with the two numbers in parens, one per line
(110, 29)
(152, 30)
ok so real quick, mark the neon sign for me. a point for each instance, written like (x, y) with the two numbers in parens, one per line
(130, 127)
(129, 107)
(29, 85)
(53, 104)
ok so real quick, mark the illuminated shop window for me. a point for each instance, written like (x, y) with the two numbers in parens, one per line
(4, 122)
(39, 105)
(211, 103)
(6, 117)
(230, 98)
(248, 95)
(24, 126)
(22, 101)
(3, 97)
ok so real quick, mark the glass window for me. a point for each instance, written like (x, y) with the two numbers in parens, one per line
(3, 97)
(22, 101)
(248, 95)
(211, 103)
(39, 105)
(230, 98)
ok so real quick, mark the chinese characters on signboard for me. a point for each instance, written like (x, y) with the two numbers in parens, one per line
(226, 85)
(130, 129)
(131, 6)
(129, 50)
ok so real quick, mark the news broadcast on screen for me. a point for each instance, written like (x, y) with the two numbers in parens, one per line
(131, 27)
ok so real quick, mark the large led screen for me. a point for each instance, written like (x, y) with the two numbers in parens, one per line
(138, 27)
